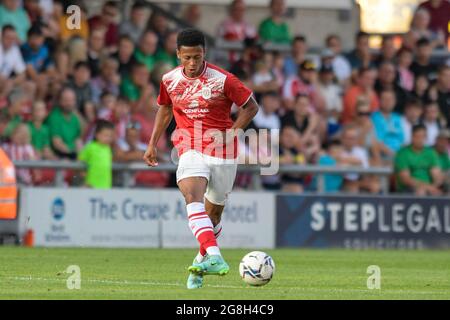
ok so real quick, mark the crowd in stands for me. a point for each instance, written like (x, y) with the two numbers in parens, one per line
(89, 94)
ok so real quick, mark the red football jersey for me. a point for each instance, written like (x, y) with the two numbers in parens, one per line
(200, 104)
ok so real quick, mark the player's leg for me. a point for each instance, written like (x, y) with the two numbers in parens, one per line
(192, 175)
(219, 186)
(215, 214)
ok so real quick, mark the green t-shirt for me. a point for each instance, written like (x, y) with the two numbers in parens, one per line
(148, 60)
(444, 161)
(273, 32)
(67, 127)
(40, 137)
(98, 158)
(12, 124)
(18, 18)
(129, 89)
(170, 59)
(419, 164)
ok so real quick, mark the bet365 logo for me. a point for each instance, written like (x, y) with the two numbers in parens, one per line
(73, 19)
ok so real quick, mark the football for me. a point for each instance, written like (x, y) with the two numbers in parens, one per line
(256, 268)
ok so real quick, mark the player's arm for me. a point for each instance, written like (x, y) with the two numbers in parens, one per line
(246, 113)
(162, 121)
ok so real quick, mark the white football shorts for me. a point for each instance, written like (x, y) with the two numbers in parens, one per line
(219, 172)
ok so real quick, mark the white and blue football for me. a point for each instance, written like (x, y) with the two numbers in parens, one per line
(257, 268)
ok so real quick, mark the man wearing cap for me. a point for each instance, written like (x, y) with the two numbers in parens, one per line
(306, 83)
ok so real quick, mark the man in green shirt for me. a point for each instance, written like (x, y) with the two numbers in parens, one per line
(168, 54)
(442, 147)
(97, 154)
(274, 28)
(137, 88)
(417, 167)
(146, 51)
(64, 126)
(40, 134)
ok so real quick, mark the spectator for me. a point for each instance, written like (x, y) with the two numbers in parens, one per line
(20, 149)
(291, 153)
(442, 89)
(80, 84)
(97, 154)
(364, 87)
(146, 51)
(168, 53)
(417, 167)
(307, 122)
(439, 11)
(11, 13)
(267, 117)
(388, 50)
(135, 26)
(65, 126)
(387, 80)
(40, 134)
(193, 14)
(420, 29)
(137, 88)
(252, 52)
(432, 122)
(234, 27)
(353, 155)
(12, 66)
(441, 147)
(263, 79)
(131, 149)
(331, 92)
(360, 57)
(366, 134)
(411, 117)
(107, 105)
(387, 123)
(108, 80)
(96, 50)
(405, 58)
(299, 50)
(331, 157)
(421, 88)
(107, 21)
(17, 110)
(38, 61)
(305, 83)
(341, 66)
(274, 28)
(159, 25)
(422, 63)
(124, 55)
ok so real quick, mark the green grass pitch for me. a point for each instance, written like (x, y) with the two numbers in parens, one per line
(39, 273)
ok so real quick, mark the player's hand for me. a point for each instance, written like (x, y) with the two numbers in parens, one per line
(150, 156)
(222, 137)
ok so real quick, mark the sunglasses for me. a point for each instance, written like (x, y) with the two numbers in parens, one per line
(364, 114)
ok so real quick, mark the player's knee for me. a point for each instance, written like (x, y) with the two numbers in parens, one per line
(190, 197)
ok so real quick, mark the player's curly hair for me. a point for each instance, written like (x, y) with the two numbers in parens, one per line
(190, 38)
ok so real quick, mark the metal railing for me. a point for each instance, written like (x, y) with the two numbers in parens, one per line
(127, 170)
